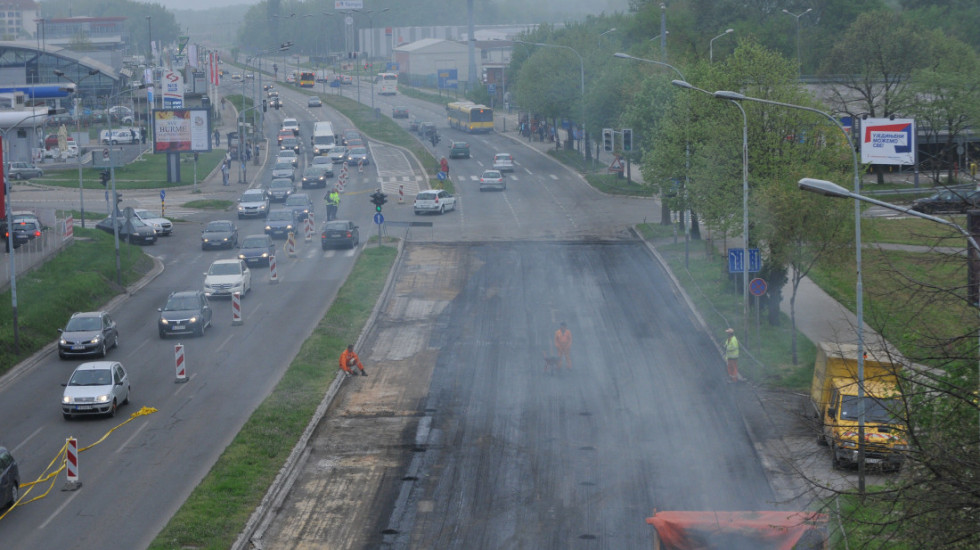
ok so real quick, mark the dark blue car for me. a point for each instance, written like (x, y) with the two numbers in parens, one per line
(280, 223)
(257, 249)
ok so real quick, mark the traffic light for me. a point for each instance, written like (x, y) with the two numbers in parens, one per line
(104, 177)
(607, 140)
(378, 199)
(627, 140)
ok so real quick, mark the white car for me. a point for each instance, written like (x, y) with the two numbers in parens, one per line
(503, 162)
(292, 125)
(434, 201)
(253, 203)
(226, 277)
(99, 387)
(287, 154)
(492, 179)
(119, 135)
(161, 226)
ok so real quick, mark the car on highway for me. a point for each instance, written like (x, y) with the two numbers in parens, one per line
(459, 150)
(399, 112)
(316, 175)
(350, 134)
(283, 134)
(301, 205)
(9, 479)
(88, 333)
(280, 223)
(292, 125)
(358, 155)
(226, 277)
(23, 231)
(284, 169)
(98, 387)
(132, 230)
(434, 201)
(23, 171)
(162, 226)
(290, 145)
(186, 312)
(253, 204)
(339, 233)
(337, 155)
(426, 129)
(314, 101)
(492, 179)
(413, 124)
(948, 201)
(257, 249)
(279, 189)
(219, 234)
(321, 161)
(503, 162)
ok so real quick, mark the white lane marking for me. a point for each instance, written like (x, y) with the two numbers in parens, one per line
(17, 448)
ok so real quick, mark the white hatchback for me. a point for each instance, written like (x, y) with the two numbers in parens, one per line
(99, 387)
(503, 162)
(226, 277)
(434, 201)
(162, 226)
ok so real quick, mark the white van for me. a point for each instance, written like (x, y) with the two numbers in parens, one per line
(119, 135)
(323, 139)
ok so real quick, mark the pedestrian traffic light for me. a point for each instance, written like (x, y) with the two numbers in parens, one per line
(627, 140)
(607, 140)
(104, 177)
(378, 199)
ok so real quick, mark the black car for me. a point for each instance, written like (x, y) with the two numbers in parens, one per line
(131, 229)
(186, 312)
(9, 479)
(88, 333)
(279, 189)
(290, 143)
(300, 204)
(257, 249)
(280, 223)
(23, 231)
(947, 201)
(339, 233)
(399, 112)
(426, 129)
(219, 234)
(316, 176)
(413, 125)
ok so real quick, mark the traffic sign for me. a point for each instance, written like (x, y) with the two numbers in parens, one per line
(757, 287)
(736, 263)
(441, 175)
(491, 89)
(379, 218)
(105, 154)
(163, 194)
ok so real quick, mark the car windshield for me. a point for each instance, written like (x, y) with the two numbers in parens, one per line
(283, 166)
(336, 226)
(296, 200)
(91, 377)
(426, 196)
(253, 197)
(279, 184)
(255, 242)
(358, 151)
(875, 410)
(180, 303)
(280, 215)
(491, 175)
(225, 268)
(313, 172)
(142, 213)
(321, 160)
(80, 324)
(218, 227)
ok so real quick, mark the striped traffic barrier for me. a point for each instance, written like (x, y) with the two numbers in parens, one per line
(179, 363)
(307, 230)
(71, 465)
(291, 245)
(273, 275)
(401, 194)
(236, 308)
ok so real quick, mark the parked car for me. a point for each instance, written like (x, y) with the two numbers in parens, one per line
(51, 142)
(339, 232)
(186, 312)
(492, 179)
(435, 201)
(23, 171)
(253, 203)
(314, 101)
(948, 201)
(399, 112)
(162, 226)
(459, 150)
(279, 189)
(226, 277)
(280, 223)
(88, 333)
(219, 234)
(257, 249)
(99, 387)
(503, 162)
(316, 175)
(9, 479)
(132, 230)
(301, 204)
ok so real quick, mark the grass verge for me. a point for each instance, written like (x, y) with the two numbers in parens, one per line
(147, 172)
(80, 278)
(217, 510)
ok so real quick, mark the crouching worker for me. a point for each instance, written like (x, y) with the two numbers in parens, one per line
(349, 360)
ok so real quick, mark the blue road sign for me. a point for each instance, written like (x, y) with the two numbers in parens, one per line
(736, 262)
(379, 219)
(441, 175)
(758, 287)
(491, 89)
(163, 194)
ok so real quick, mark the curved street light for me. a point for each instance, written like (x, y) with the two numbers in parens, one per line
(78, 130)
(711, 43)
(598, 39)
(787, 12)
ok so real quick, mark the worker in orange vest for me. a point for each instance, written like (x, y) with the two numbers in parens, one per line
(349, 359)
(563, 343)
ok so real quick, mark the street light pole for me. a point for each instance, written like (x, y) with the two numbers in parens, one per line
(735, 96)
(598, 39)
(711, 44)
(78, 130)
(799, 67)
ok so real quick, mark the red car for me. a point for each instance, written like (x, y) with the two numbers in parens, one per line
(51, 141)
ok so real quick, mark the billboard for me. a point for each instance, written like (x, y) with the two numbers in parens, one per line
(173, 89)
(348, 4)
(886, 141)
(181, 131)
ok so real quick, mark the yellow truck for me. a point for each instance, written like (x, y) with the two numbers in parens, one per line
(834, 397)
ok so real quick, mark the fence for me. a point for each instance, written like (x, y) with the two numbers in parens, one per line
(32, 254)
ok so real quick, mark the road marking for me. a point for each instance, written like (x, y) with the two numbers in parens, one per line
(130, 439)
(58, 510)
(17, 448)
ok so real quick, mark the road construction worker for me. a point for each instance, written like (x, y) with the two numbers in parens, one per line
(349, 359)
(333, 202)
(731, 355)
(563, 344)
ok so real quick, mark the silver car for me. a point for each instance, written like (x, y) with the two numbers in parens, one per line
(284, 169)
(253, 203)
(503, 162)
(492, 179)
(99, 387)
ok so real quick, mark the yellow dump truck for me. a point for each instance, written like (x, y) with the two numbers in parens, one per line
(834, 397)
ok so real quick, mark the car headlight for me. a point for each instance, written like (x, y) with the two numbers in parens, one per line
(241, 208)
(95, 340)
(164, 321)
(848, 444)
(192, 319)
(66, 399)
(241, 256)
(63, 342)
(104, 398)
(901, 447)
(265, 254)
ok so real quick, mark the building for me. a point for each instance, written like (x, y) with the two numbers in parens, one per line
(422, 61)
(18, 19)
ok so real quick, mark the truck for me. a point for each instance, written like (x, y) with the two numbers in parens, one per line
(738, 530)
(834, 401)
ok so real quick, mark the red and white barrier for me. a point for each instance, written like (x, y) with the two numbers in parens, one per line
(291, 245)
(273, 275)
(401, 194)
(308, 230)
(71, 465)
(236, 308)
(179, 363)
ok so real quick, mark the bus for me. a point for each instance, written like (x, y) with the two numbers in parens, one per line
(305, 79)
(386, 83)
(470, 117)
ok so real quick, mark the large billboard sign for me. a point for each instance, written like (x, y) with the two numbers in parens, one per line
(173, 89)
(181, 131)
(886, 141)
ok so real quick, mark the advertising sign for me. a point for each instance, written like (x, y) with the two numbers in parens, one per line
(447, 79)
(348, 4)
(181, 131)
(885, 141)
(173, 89)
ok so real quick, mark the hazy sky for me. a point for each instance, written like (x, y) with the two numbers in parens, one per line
(600, 5)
